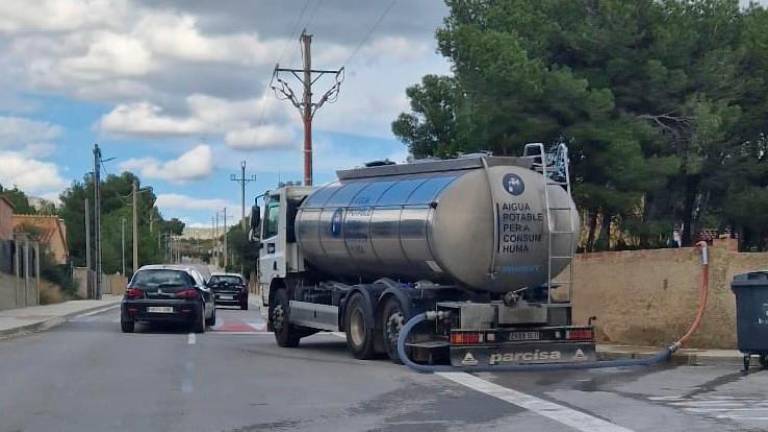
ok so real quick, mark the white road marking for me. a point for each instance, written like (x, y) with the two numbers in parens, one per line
(191, 339)
(339, 334)
(186, 382)
(564, 415)
(97, 311)
(722, 407)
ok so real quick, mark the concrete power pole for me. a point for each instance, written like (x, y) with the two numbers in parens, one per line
(306, 107)
(97, 215)
(88, 264)
(226, 261)
(242, 180)
(122, 241)
(134, 192)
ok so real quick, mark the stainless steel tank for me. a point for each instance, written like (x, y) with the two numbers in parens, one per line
(478, 222)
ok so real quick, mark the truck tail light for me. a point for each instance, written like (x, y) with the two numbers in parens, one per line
(466, 338)
(134, 293)
(583, 334)
(188, 294)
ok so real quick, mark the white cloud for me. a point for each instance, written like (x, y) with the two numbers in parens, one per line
(179, 36)
(109, 55)
(237, 120)
(56, 15)
(30, 175)
(172, 201)
(195, 164)
(146, 119)
(261, 137)
(33, 138)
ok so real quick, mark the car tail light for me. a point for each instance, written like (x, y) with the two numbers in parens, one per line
(134, 293)
(466, 338)
(584, 334)
(189, 294)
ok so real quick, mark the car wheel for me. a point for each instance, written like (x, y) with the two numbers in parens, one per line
(360, 332)
(127, 326)
(212, 321)
(285, 333)
(198, 324)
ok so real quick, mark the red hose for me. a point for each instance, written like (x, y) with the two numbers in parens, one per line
(703, 295)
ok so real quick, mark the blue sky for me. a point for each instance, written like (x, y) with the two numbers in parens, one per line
(175, 91)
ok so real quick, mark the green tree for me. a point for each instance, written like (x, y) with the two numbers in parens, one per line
(116, 202)
(19, 200)
(659, 102)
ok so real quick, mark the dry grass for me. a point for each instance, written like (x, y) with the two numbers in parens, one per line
(50, 293)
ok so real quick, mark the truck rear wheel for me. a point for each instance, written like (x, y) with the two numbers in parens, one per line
(358, 327)
(285, 334)
(393, 320)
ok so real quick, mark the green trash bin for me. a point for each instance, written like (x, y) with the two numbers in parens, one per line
(751, 291)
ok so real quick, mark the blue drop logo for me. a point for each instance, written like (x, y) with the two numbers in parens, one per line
(336, 222)
(513, 184)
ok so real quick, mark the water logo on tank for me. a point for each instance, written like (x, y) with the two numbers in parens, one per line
(513, 184)
(336, 222)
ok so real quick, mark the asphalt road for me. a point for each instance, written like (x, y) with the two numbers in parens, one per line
(87, 376)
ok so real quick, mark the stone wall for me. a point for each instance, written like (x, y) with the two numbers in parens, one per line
(649, 297)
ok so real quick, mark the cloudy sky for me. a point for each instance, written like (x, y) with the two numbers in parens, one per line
(176, 90)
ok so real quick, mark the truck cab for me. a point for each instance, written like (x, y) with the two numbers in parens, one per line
(279, 254)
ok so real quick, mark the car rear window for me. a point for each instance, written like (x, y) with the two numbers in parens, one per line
(233, 280)
(156, 278)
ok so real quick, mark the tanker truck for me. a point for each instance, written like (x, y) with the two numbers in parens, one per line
(478, 240)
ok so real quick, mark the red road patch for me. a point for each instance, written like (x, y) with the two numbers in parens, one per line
(238, 326)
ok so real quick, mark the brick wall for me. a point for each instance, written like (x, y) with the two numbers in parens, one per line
(649, 297)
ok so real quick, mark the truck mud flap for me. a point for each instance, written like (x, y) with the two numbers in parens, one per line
(522, 353)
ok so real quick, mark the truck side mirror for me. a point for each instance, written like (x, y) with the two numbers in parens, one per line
(255, 222)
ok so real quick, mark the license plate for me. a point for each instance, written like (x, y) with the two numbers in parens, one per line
(160, 309)
(524, 336)
(226, 297)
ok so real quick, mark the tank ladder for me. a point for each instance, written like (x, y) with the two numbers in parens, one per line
(554, 166)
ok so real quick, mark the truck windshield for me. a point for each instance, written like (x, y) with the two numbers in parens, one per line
(271, 217)
(156, 278)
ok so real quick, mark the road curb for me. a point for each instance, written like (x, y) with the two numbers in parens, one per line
(678, 358)
(50, 323)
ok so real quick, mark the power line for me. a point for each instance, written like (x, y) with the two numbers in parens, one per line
(371, 30)
(312, 14)
(260, 113)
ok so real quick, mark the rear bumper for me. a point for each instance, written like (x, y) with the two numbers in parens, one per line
(237, 298)
(138, 310)
(522, 353)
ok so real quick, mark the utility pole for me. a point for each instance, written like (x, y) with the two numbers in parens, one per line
(216, 240)
(306, 107)
(97, 215)
(226, 261)
(122, 241)
(88, 264)
(242, 180)
(135, 229)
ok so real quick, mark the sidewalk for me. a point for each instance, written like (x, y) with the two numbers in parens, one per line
(15, 322)
(688, 356)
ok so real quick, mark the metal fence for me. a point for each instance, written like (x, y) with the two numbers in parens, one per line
(20, 269)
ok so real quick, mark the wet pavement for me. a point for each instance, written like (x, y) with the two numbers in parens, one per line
(87, 376)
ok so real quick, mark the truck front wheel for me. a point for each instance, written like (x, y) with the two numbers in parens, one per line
(357, 326)
(285, 334)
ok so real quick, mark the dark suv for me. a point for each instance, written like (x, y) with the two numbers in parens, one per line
(229, 289)
(168, 293)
